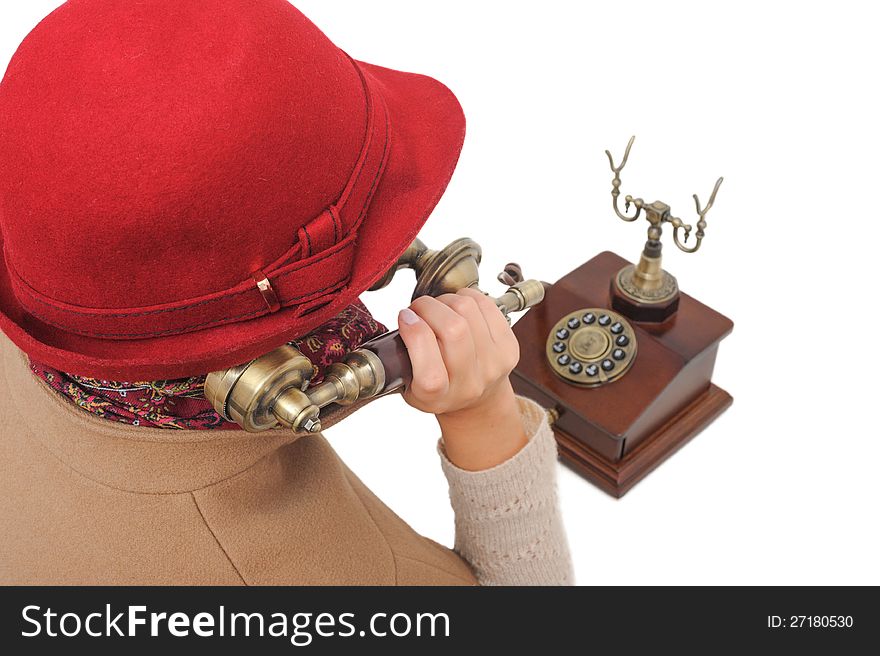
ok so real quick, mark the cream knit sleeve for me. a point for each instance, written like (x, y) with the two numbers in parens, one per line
(507, 520)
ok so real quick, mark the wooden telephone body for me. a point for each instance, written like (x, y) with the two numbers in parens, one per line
(616, 433)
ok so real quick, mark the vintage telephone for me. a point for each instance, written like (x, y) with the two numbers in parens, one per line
(621, 358)
(618, 355)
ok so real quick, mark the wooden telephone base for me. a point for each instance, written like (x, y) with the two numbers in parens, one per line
(617, 433)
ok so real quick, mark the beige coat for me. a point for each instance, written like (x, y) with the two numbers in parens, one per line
(87, 501)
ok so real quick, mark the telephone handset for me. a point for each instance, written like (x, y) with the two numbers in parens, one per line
(274, 389)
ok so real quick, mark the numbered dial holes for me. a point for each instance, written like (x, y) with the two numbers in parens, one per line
(591, 347)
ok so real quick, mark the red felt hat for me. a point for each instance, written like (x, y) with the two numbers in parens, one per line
(186, 185)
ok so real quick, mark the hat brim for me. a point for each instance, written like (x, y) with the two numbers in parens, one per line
(427, 133)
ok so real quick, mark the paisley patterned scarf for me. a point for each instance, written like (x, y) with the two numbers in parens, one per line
(181, 403)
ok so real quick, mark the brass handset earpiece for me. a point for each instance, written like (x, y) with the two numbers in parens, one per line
(274, 388)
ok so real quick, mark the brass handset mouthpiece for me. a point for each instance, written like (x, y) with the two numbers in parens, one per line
(274, 389)
(647, 282)
(438, 272)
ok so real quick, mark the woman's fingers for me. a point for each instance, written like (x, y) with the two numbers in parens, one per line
(466, 306)
(451, 329)
(430, 379)
(453, 334)
(498, 327)
(495, 322)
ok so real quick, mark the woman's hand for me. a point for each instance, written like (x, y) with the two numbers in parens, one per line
(462, 352)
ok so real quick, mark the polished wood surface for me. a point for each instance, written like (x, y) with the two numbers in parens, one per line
(672, 370)
(617, 478)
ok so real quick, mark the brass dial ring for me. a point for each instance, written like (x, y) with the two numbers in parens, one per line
(591, 347)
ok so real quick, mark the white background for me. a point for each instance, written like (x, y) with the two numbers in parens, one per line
(781, 99)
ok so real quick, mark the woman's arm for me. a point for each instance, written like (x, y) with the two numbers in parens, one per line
(498, 451)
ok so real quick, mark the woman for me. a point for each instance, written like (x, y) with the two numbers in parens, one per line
(186, 186)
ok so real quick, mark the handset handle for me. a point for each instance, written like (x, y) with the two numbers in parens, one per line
(395, 359)
(392, 351)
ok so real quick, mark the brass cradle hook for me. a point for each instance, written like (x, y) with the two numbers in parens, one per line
(659, 212)
(646, 282)
(701, 224)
